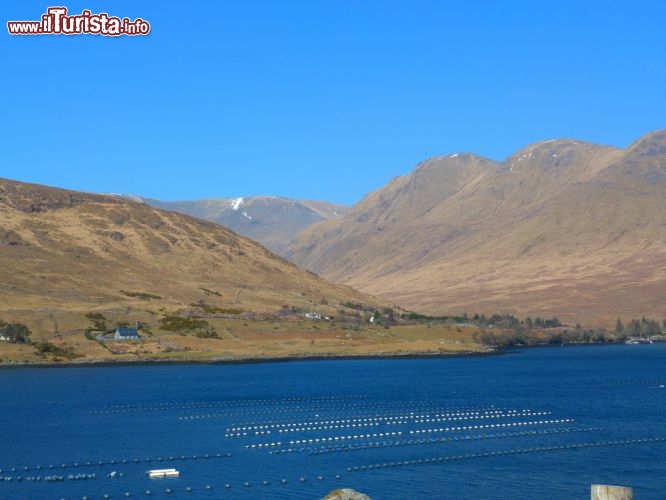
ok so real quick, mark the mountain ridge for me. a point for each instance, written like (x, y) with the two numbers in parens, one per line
(564, 212)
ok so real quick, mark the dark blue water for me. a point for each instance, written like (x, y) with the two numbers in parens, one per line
(534, 424)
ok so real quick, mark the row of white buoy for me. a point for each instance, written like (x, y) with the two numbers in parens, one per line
(328, 409)
(634, 382)
(410, 415)
(439, 440)
(378, 421)
(398, 421)
(50, 479)
(248, 484)
(128, 494)
(228, 486)
(368, 406)
(480, 417)
(492, 426)
(330, 427)
(263, 445)
(317, 425)
(123, 461)
(384, 444)
(539, 449)
(239, 403)
(345, 438)
(274, 412)
(304, 429)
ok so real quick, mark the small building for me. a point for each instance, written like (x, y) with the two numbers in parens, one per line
(126, 333)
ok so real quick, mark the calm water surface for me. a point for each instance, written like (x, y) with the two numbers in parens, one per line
(533, 424)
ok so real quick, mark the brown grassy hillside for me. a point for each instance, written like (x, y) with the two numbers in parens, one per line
(363, 238)
(65, 252)
(561, 228)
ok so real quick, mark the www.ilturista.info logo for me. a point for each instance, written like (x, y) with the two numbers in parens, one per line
(57, 22)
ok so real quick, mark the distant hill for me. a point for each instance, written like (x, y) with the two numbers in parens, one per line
(67, 250)
(271, 220)
(561, 227)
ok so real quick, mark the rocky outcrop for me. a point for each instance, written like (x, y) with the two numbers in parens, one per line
(346, 494)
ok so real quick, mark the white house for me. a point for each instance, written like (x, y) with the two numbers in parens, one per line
(126, 333)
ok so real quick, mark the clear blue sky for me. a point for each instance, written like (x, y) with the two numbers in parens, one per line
(318, 99)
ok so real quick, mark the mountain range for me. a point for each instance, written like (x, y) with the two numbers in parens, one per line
(562, 227)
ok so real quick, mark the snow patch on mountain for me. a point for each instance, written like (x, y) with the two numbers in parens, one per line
(236, 203)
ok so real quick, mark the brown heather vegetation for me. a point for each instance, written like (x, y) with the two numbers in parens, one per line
(74, 266)
(75, 251)
(562, 228)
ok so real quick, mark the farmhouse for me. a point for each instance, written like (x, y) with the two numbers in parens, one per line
(126, 333)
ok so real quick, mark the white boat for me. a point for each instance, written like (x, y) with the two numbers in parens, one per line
(155, 473)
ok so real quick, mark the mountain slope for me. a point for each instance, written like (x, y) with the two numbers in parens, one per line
(363, 237)
(272, 221)
(73, 250)
(562, 227)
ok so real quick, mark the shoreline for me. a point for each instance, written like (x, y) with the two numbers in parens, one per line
(291, 359)
(252, 360)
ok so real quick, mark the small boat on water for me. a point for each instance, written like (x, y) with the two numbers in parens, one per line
(155, 473)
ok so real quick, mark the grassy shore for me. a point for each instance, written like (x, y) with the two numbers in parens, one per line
(241, 340)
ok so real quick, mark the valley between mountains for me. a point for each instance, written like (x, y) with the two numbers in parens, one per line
(561, 228)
